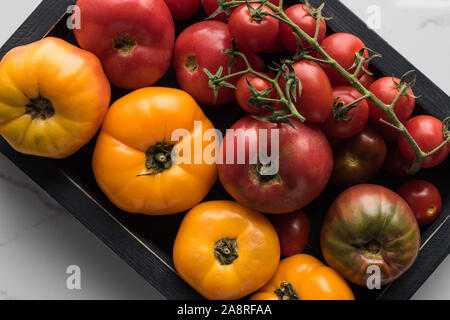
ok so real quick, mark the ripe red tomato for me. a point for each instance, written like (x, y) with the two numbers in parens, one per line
(367, 80)
(243, 93)
(424, 199)
(358, 159)
(427, 132)
(263, 187)
(298, 14)
(395, 162)
(316, 101)
(342, 47)
(293, 231)
(342, 129)
(386, 90)
(210, 6)
(198, 47)
(182, 10)
(252, 35)
(133, 39)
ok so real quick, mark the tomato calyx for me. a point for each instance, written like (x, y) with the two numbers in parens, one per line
(257, 174)
(371, 249)
(158, 158)
(40, 107)
(286, 292)
(124, 43)
(226, 250)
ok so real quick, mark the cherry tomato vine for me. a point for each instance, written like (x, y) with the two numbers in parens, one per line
(293, 86)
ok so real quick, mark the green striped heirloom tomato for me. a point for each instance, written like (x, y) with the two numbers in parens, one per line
(366, 227)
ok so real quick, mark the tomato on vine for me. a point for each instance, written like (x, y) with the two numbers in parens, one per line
(386, 89)
(301, 17)
(243, 93)
(182, 10)
(343, 126)
(251, 30)
(423, 198)
(429, 133)
(343, 47)
(316, 100)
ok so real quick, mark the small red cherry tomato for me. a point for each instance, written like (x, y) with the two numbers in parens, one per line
(423, 198)
(343, 129)
(427, 131)
(250, 34)
(182, 10)
(299, 15)
(243, 93)
(342, 47)
(386, 90)
(316, 100)
(293, 231)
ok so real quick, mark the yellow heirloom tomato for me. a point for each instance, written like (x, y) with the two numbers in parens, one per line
(53, 98)
(225, 251)
(133, 161)
(303, 277)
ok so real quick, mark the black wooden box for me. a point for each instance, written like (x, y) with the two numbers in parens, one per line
(145, 243)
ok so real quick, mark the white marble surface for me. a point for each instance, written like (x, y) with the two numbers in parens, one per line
(39, 239)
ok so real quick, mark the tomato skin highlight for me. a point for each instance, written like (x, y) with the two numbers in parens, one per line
(309, 278)
(385, 90)
(427, 132)
(342, 47)
(424, 199)
(292, 187)
(358, 159)
(133, 39)
(381, 230)
(198, 47)
(342, 129)
(256, 246)
(316, 100)
(298, 14)
(293, 231)
(182, 10)
(251, 35)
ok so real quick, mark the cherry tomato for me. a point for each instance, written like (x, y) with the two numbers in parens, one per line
(358, 159)
(243, 93)
(252, 35)
(427, 132)
(182, 10)
(367, 80)
(423, 198)
(293, 231)
(386, 90)
(342, 47)
(343, 129)
(299, 15)
(395, 162)
(316, 100)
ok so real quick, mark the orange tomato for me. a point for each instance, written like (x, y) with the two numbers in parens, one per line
(225, 251)
(303, 277)
(53, 98)
(133, 162)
